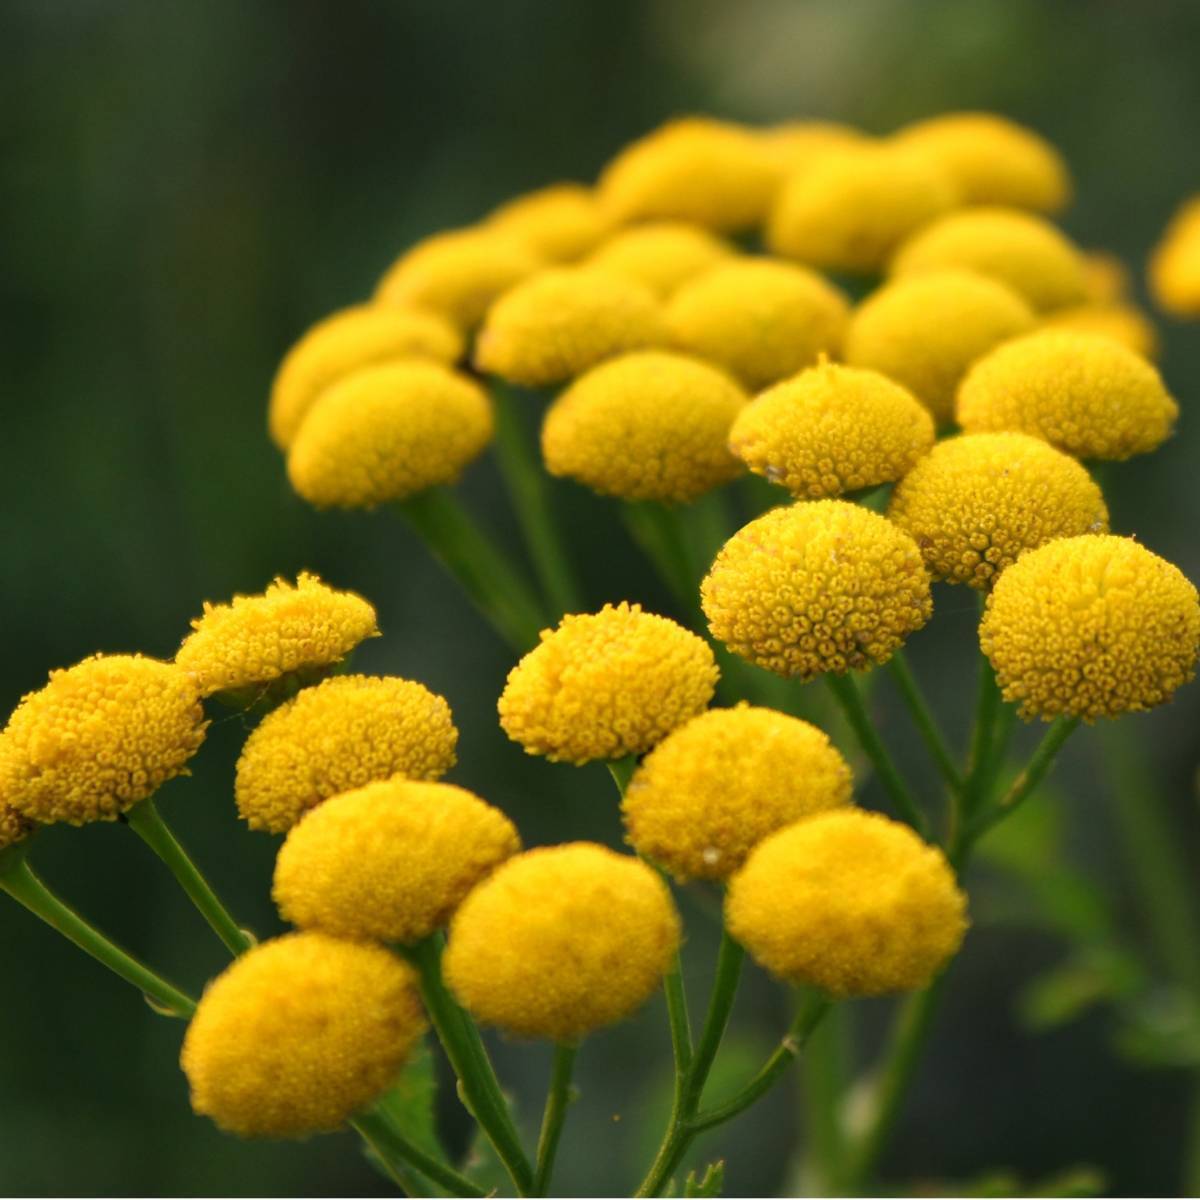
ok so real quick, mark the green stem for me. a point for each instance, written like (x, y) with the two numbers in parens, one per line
(923, 718)
(825, 1071)
(987, 706)
(555, 1115)
(391, 1145)
(659, 532)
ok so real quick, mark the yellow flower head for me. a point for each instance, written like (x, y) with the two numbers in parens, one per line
(852, 208)
(817, 587)
(1085, 394)
(832, 429)
(1019, 249)
(98, 738)
(14, 827)
(1174, 271)
(850, 902)
(606, 684)
(645, 426)
(562, 941)
(708, 793)
(355, 337)
(760, 320)
(976, 502)
(798, 144)
(1124, 323)
(993, 160)
(559, 323)
(712, 173)
(287, 633)
(1106, 278)
(458, 273)
(389, 432)
(389, 862)
(300, 1034)
(346, 732)
(925, 331)
(1091, 626)
(663, 255)
(560, 223)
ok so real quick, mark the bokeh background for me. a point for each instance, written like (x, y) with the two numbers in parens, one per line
(185, 187)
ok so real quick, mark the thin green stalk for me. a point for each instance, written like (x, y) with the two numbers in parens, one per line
(987, 707)
(146, 821)
(659, 533)
(923, 718)
(555, 1115)
(397, 1151)
(825, 1070)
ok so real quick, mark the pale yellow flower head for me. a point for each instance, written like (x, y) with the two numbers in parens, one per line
(562, 941)
(560, 223)
(1124, 323)
(663, 255)
(798, 144)
(1106, 277)
(1174, 270)
(606, 685)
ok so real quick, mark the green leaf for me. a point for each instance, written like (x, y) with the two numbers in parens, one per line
(709, 1184)
(410, 1100)
(1067, 991)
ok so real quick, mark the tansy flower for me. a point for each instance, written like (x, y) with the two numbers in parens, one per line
(707, 794)
(1124, 323)
(663, 255)
(760, 320)
(645, 426)
(976, 502)
(1174, 271)
(606, 685)
(98, 738)
(350, 339)
(14, 827)
(1091, 626)
(811, 588)
(925, 331)
(287, 632)
(1019, 249)
(850, 902)
(389, 862)
(832, 429)
(561, 223)
(1106, 277)
(559, 323)
(342, 734)
(798, 144)
(562, 941)
(386, 433)
(1085, 394)
(299, 1034)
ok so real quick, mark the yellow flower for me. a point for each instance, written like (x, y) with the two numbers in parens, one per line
(284, 633)
(1084, 393)
(760, 320)
(389, 432)
(14, 827)
(645, 426)
(977, 502)
(98, 738)
(562, 941)
(1174, 270)
(342, 734)
(1091, 626)
(606, 684)
(798, 144)
(300, 1034)
(389, 862)
(1024, 251)
(850, 902)
(663, 255)
(458, 273)
(925, 331)
(708, 793)
(832, 429)
(559, 323)
(1124, 323)
(355, 337)
(1106, 278)
(560, 223)
(817, 587)
(853, 207)
(993, 160)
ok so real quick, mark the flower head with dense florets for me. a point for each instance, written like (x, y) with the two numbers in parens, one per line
(1174, 273)
(560, 223)
(663, 255)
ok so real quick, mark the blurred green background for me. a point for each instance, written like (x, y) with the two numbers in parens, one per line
(185, 187)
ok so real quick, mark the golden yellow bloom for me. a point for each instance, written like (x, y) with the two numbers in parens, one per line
(1024, 251)
(389, 432)
(645, 426)
(1084, 393)
(1124, 323)
(606, 684)
(98, 738)
(1174, 270)
(458, 273)
(925, 331)
(760, 320)
(1106, 277)
(978, 501)
(342, 734)
(300, 1034)
(708, 793)
(562, 941)
(355, 337)
(850, 902)
(389, 862)
(559, 323)
(817, 587)
(993, 160)
(561, 223)
(853, 207)
(1091, 626)
(798, 144)
(663, 255)
(832, 429)
(284, 632)
(14, 827)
